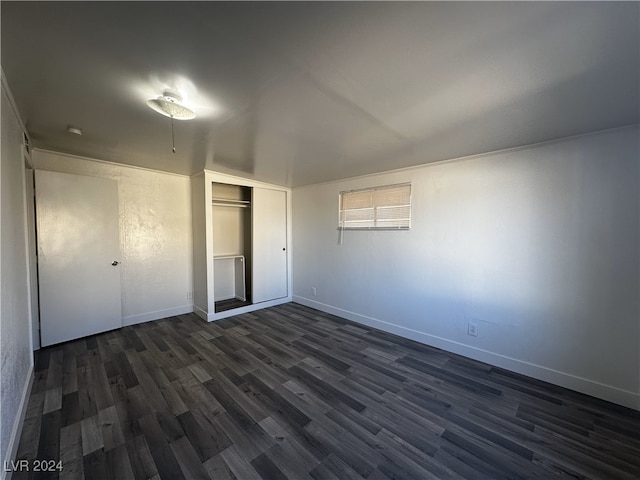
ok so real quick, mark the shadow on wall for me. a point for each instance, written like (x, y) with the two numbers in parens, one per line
(538, 247)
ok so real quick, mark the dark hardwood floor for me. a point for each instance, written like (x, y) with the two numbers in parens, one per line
(291, 392)
(224, 305)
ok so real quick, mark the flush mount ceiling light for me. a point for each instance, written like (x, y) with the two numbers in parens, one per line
(170, 105)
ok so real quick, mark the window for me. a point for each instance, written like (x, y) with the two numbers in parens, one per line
(378, 208)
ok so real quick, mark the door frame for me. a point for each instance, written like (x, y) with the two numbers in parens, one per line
(206, 254)
(31, 246)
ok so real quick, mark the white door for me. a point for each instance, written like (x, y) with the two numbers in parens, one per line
(269, 210)
(78, 242)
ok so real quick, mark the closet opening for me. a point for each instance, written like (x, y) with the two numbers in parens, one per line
(232, 237)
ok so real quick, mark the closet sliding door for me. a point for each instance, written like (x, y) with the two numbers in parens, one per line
(269, 244)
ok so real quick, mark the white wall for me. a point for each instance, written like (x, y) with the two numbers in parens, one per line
(16, 356)
(539, 246)
(155, 234)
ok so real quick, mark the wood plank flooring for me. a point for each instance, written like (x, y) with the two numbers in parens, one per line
(291, 392)
(230, 304)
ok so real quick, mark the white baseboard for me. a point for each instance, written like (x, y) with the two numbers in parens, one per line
(12, 448)
(563, 379)
(201, 313)
(157, 315)
(249, 308)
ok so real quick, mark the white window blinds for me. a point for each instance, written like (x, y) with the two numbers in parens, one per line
(387, 207)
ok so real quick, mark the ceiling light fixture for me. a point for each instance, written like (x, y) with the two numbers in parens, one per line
(74, 130)
(170, 105)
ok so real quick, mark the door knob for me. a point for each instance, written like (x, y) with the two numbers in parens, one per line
(114, 263)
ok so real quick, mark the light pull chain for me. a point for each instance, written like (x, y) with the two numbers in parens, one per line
(173, 141)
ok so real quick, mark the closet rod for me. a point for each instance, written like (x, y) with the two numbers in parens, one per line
(237, 205)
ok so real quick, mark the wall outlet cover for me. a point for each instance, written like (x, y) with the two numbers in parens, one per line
(472, 329)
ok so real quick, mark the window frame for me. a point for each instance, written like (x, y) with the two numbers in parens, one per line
(375, 208)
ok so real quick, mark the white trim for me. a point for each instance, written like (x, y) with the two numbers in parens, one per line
(13, 104)
(563, 379)
(107, 162)
(157, 315)
(201, 313)
(27, 163)
(14, 441)
(218, 177)
(471, 157)
(249, 308)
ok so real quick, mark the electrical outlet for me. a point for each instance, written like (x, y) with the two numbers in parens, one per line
(314, 291)
(189, 295)
(472, 329)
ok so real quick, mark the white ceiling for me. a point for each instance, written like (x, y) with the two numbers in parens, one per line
(301, 93)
